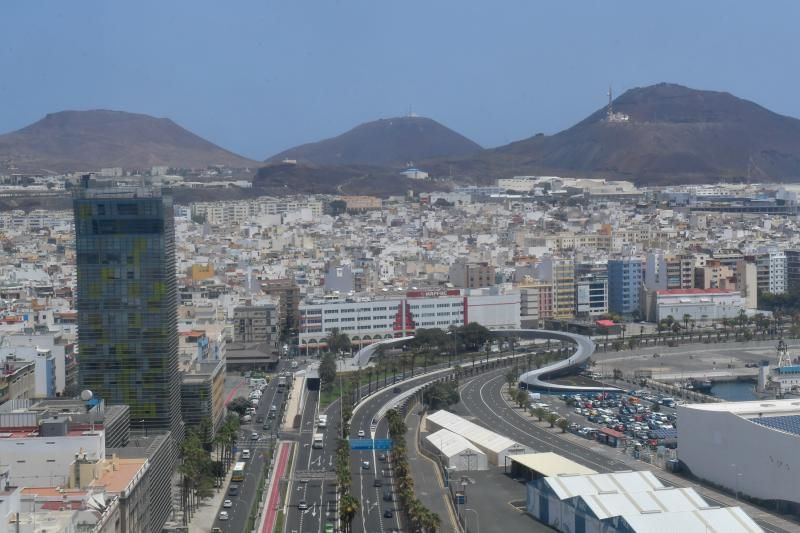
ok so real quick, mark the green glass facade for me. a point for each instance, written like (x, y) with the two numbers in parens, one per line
(127, 302)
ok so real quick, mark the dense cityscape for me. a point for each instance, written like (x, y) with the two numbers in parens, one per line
(418, 267)
(162, 362)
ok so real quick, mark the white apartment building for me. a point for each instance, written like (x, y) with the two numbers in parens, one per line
(41, 459)
(238, 212)
(366, 320)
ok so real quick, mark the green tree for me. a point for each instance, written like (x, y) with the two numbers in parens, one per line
(539, 413)
(239, 405)
(562, 424)
(474, 335)
(327, 370)
(337, 207)
(337, 341)
(552, 418)
(441, 395)
(522, 398)
(348, 507)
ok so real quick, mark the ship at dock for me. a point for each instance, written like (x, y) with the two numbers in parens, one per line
(702, 386)
(783, 379)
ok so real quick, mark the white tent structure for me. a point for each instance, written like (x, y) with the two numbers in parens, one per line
(457, 452)
(495, 446)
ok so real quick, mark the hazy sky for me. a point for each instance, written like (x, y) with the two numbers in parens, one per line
(264, 75)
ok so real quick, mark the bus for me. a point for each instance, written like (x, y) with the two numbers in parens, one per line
(238, 471)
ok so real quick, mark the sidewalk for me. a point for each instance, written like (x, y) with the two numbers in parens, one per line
(295, 405)
(207, 510)
(428, 484)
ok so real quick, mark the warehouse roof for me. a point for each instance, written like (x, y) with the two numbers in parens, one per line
(568, 486)
(666, 500)
(550, 464)
(451, 444)
(476, 434)
(716, 520)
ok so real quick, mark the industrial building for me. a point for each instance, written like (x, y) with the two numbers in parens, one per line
(626, 502)
(496, 447)
(747, 447)
(456, 452)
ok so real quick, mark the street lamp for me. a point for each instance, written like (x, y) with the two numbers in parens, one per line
(477, 520)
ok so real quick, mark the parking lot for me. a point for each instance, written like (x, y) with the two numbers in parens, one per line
(638, 421)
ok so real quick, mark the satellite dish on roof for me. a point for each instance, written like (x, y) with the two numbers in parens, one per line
(86, 395)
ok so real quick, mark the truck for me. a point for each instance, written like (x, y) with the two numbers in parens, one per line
(322, 421)
(317, 441)
(282, 382)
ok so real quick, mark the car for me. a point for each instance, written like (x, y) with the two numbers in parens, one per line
(254, 436)
(397, 390)
(227, 503)
(302, 505)
(388, 513)
(377, 482)
(382, 457)
(216, 530)
(387, 495)
(267, 426)
(365, 465)
(329, 527)
(223, 515)
(233, 490)
(259, 419)
(361, 433)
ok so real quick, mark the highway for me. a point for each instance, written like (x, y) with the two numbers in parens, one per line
(243, 502)
(373, 506)
(481, 398)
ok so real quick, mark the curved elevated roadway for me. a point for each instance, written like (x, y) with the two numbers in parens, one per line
(535, 379)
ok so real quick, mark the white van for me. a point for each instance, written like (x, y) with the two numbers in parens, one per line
(245, 454)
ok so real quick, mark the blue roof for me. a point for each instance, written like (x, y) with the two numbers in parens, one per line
(794, 369)
(788, 423)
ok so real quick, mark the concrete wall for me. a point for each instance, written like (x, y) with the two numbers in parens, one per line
(718, 446)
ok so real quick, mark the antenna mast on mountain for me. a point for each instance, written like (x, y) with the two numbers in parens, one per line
(610, 115)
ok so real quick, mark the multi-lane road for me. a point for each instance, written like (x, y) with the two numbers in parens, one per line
(239, 513)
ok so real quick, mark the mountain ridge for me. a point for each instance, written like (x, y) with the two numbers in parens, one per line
(384, 142)
(97, 138)
(674, 134)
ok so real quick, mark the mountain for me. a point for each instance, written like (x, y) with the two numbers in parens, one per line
(89, 140)
(385, 142)
(672, 134)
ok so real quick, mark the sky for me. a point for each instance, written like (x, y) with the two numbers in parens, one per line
(260, 76)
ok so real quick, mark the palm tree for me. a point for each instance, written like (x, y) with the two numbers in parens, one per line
(562, 424)
(552, 418)
(539, 413)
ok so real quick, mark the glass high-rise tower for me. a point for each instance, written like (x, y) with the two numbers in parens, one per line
(127, 302)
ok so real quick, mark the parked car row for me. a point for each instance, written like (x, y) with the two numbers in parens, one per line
(624, 413)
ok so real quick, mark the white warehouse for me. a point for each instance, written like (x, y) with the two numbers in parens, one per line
(495, 446)
(748, 447)
(457, 452)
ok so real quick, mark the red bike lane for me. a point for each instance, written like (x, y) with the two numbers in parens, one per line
(274, 490)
